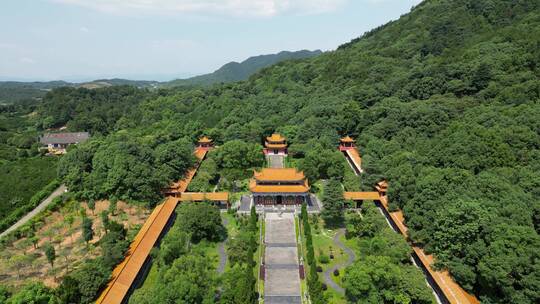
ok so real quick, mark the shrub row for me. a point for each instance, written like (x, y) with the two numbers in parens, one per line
(314, 286)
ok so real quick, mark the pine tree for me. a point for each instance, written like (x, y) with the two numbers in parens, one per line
(333, 204)
(87, 231)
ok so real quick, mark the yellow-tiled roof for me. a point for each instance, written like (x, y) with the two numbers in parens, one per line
(355, 157)
(253, 187)
(124, 274)
(279, 174)
(275, 138)
(203, 196)
(205, 139)
(360, 196)
(347, 139)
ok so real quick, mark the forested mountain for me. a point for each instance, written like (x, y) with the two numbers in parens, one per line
(17, 91)
(234, 71)
(444, 102)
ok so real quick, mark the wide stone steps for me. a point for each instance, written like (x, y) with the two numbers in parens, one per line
(282, 279)
(282, 299)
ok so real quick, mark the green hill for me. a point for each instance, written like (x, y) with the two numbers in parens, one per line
(234, 71)
(444, 103)
(15, 91)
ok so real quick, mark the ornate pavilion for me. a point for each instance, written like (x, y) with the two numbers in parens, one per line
(275, 145)
(346, 143)
(279, 186)
(205, 143)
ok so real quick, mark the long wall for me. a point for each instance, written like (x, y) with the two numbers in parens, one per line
(126, 275)
(447, 290)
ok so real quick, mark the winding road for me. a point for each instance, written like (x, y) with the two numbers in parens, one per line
(59, 191)
(351, 257)
(222, 252)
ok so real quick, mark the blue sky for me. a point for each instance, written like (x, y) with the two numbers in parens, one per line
(80, 40)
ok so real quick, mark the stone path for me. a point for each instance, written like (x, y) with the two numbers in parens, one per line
(222, 252)
(59, 191)
(282, 278)
(245, 204)
(351, 257)
(276, 161)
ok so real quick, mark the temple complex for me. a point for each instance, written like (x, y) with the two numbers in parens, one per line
(275, 145)
(283, 186)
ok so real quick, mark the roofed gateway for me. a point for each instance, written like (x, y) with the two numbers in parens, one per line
(275, 145)
(279, 186)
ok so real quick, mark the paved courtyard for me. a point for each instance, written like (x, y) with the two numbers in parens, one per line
(282, 280)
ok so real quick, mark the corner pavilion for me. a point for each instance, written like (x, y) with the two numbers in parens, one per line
(275, 145)
(279, 186)
(205, 143)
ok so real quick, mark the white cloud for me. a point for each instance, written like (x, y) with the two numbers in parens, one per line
(257, 8)
(84, 29)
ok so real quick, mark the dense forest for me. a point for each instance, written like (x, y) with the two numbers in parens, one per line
(444, 103)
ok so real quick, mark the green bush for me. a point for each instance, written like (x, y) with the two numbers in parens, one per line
(324, 259)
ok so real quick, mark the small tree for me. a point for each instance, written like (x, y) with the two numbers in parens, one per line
(91, 205)
(69, 219)
(113, 202)
(87, 231)
(35, 241)
(104, 215)
(50, 253)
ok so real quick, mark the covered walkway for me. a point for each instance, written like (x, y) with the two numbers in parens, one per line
(444, 285)
(442, 282)
(124, 276)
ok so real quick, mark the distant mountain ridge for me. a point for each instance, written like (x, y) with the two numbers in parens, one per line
(15, 91)
(234, 71)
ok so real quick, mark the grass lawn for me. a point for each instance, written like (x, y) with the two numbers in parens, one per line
(323, 243)
(333, 297)
(231, 225)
